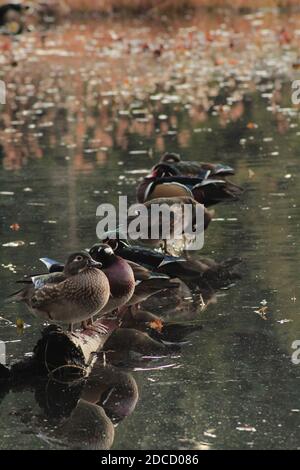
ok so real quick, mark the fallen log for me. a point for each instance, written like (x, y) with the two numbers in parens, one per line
(62, 354)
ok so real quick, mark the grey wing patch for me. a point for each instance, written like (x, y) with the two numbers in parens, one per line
(171, 261)
(47, 279)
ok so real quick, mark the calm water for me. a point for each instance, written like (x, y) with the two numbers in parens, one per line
(233, 385)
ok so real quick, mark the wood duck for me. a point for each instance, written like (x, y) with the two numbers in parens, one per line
(87, 428)
(216, 274)
(143, 282)
(74, 295)
(119, 274)
(165, 181)
(194, 168)
(189, 269)
(178, 203)
(153, 224)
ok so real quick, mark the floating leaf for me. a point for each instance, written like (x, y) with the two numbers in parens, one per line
(15, 227)
(156, 325)
(20, 325)
(262, 312)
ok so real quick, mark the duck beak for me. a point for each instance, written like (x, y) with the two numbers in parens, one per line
(92, 262)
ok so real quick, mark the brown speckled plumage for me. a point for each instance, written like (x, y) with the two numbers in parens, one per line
(75, 299)
(75, 295)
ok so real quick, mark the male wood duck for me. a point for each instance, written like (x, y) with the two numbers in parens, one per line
(165, 181)
(143, 282)
(190, 269)
(194, 168)
(74, 295)
(119, 274)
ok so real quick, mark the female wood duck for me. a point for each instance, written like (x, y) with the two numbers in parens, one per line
(193, 168)
(166, 181)
(74, 295)
(143, 282)
(150, 224)
(189, 269)
(180, 203)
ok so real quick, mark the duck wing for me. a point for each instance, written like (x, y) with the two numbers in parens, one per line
(34, 284)
(52, 265)
(140, 272)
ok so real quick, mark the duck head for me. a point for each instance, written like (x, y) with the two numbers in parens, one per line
(170, 157)
(116, 244)
(103, 253)
(78, 262)
(162, 170)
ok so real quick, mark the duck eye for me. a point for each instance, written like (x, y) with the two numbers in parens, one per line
(79, 258)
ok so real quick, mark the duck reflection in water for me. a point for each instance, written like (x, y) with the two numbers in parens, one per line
(84, 414)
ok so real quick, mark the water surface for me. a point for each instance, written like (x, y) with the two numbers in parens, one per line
(234, 384)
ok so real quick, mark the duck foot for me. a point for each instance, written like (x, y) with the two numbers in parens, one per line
(100, 329)
(113, 315)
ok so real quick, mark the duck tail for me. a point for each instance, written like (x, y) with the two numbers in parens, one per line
(233, 190)
(213, 191)
(18, 296)
(160, 283)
